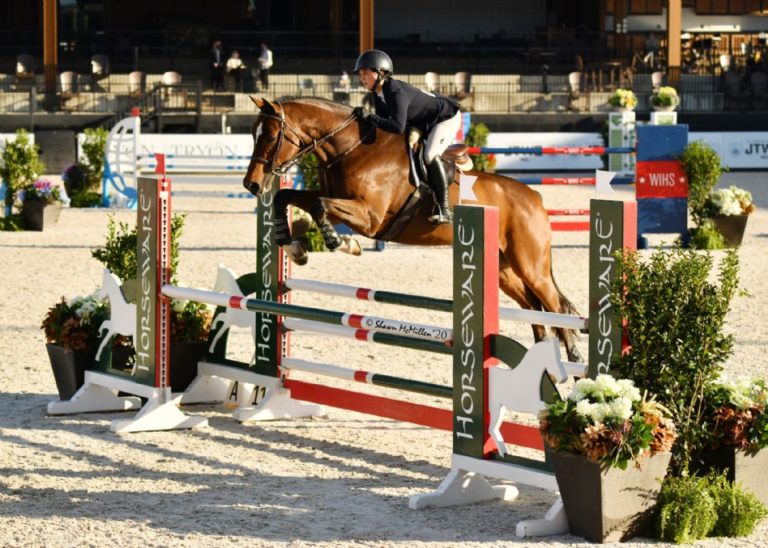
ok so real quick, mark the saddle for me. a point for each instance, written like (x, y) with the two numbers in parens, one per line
(455, 160)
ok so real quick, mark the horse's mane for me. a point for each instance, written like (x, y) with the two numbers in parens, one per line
(341, 108)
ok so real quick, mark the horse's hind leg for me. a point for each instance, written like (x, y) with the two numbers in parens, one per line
(549, 297)
(512, 285)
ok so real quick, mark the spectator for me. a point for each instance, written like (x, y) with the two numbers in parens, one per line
(235, 69)
(217, 66)
(344, 82)
(652, 47)
(265, 64)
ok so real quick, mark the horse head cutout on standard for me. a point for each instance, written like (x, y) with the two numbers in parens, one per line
(122, 314)
(365, 180)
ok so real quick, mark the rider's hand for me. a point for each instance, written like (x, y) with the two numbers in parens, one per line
(361, 113)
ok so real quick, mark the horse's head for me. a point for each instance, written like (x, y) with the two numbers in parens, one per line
(285, 132)
(275, 144)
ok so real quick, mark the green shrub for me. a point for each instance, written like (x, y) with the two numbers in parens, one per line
(674, 316)
(20, 165)
(85, 198)
(118, 254)
(93, 151)
(738, 511)
(477, 136)
(703, 169)
(685, 510)
(706, 236)
(304, 228)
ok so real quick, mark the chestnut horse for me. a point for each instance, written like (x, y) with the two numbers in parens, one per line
(364, 174)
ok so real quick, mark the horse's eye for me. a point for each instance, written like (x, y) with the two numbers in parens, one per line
(269, 138)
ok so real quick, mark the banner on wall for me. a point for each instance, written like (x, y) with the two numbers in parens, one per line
(737, 150)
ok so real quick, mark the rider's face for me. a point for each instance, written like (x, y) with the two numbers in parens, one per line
(367, 78)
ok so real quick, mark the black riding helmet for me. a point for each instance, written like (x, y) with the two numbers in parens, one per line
(376, 60)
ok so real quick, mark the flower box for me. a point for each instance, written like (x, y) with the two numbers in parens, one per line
(37, 214)
(68, 368)
(605, 503)
(732, 228)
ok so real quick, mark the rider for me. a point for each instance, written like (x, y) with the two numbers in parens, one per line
(400, 107)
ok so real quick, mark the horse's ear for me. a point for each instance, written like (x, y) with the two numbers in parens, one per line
(263, 105)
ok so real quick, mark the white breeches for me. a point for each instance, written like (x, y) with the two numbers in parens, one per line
(442, 135)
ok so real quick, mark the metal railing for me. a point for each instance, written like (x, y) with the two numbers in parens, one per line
(117, 94)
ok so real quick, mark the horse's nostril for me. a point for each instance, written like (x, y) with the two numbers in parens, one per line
(252, 187)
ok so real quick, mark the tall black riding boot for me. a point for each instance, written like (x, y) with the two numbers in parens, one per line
(438, 182)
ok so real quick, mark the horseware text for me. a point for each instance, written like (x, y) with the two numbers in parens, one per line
(467, 354)
(605, 254)
(146, 328)
(266, 324)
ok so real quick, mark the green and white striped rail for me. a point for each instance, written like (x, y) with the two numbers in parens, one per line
(366, 377)
(551, 319)
(419, 336)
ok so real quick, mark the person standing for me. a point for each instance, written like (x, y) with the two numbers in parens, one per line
(235, 69)
(400, 107)
(265, 64)
(217, 66)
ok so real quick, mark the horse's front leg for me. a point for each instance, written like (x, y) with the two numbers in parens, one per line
(285, 198)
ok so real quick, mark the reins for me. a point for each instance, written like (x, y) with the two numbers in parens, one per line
(303, 149)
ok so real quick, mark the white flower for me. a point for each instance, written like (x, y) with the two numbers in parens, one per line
(621, 408)
(585, 408)
(732, 201)
(606, 387)
(582, 389)
(627, 389)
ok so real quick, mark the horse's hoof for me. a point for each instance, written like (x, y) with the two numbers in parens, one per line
(350, 246)
(298, 253)
(332, 243)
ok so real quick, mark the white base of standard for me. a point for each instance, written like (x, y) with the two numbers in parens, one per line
(466, 484)
(99, 394)
(275, 404)
(206, 388)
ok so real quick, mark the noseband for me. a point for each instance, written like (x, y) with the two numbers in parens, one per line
(272, 167)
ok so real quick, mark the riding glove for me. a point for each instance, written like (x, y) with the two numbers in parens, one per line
(362, 113)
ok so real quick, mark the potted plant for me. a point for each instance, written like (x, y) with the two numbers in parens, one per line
(592, 437)
(720, 217)
(20, 165)
(728, 209)
(72, 334)
(623, 99)
(190, 321)
(41, 203)
(735, 410)
(665, 99)
(82, 179)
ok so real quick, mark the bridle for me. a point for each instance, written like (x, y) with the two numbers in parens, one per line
(273, 168)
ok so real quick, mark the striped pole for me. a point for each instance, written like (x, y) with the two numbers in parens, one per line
(570, 226)
(445, 305)
(293, 324)
(367, 377)
(567, 212)
(588, 181)
(541, 151)
(419, 335)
